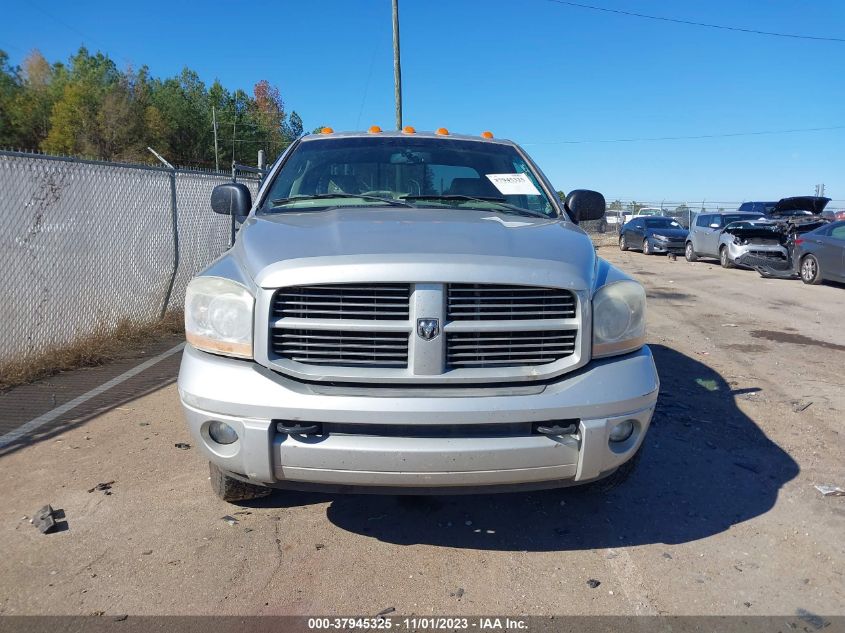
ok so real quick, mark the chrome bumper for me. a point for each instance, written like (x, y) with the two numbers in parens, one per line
(251, 399)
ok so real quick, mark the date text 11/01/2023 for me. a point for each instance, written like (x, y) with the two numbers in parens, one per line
(418, 623)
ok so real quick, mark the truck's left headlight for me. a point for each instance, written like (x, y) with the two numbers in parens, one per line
(218, 316)
(618, 318)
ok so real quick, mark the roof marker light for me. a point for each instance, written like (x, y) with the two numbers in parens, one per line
(326, 130)
(374, 129)
(442, 131)
(486, 134)
(409, 130)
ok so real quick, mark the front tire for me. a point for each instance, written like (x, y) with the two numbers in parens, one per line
(811, 274)
(233, 490)
(623, 245)
(724, 260)
(646, 247)
(689, 253)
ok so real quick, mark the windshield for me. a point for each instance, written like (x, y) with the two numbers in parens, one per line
(662, 223)
(406, 171)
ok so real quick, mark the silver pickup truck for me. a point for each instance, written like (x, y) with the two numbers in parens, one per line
(413, 312)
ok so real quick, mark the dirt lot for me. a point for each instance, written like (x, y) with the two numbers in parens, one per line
(720, 518)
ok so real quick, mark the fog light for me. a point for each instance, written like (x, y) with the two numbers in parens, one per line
(622, 431)
(222, 433)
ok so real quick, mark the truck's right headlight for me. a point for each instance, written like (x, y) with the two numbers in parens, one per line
(618, 318)
(218, 316)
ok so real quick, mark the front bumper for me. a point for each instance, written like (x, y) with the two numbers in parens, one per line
(252, 399)
(773, 252)
(663, 246)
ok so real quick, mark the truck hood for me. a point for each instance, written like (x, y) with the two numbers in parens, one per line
(418, 244)
(812, 204)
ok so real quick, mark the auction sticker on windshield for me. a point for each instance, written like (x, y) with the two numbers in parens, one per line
(514, 184)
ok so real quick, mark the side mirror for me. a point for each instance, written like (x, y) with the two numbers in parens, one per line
(583, 205)
(231, 198)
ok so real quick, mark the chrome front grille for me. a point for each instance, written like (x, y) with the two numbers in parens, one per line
(373, 332)
(508, 349)
(341, 348)
(343, 301)
(481, 302)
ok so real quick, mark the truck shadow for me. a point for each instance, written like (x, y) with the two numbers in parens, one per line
(707, 466)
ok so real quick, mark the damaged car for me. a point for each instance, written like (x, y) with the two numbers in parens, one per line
(767, 243)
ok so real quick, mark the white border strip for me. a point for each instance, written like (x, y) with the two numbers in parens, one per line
(41, 420)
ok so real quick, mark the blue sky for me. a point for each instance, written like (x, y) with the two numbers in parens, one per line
(535, 71)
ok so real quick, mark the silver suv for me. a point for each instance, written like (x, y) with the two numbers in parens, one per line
(413, 312)
(705, 235)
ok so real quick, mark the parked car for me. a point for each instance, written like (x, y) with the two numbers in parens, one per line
(788, 207)
(653, 234)
(757, 238)
(704, 238)
(413, 312)
(833, 215)
(644, 211)
(820, 254)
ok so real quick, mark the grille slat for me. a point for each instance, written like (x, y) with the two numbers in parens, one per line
(375, 302)
(508, 349)
(339, 348)
(481, 302)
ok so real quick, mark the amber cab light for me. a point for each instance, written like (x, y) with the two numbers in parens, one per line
(442, 131)
(374, 129)
(326, 130)
(487, 134)
(409, 130)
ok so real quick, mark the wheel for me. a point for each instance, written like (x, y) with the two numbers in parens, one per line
(689, 253)
(646, 247)
(724, 260)
(623, 245)
(810, 271)
(231, 490)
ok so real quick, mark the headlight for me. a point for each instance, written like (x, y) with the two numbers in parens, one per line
(662, 238)
(218, 316)
(618, 318)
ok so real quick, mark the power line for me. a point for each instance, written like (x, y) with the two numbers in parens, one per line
(704, 24)
(687, 138)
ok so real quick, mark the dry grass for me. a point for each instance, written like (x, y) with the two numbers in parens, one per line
(603, 240)
(126, 340)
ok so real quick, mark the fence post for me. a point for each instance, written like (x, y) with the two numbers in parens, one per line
(174, 219)
(233, 227)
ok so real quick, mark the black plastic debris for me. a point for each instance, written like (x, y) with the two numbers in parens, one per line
(458, 593)
(385, 611)
(593, 583)
(46, 519)
(104, 487)
(182, 446)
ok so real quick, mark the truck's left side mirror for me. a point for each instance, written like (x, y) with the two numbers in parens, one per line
(583, 204)
(231, 198)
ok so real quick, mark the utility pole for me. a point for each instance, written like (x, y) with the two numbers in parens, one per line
(397, 68)
(216, 150)
(234, 123)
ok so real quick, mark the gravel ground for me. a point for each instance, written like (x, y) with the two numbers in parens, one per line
(721, 517)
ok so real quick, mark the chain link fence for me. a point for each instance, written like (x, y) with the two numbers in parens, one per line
(85, 245)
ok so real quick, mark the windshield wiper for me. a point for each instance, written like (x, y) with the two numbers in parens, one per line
(321, 196)
(500, 202)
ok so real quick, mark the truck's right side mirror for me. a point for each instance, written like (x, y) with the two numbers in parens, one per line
(583, 204)
(231, 198)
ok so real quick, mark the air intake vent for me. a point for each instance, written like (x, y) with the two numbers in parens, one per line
(379, 301)
(330, 347)
(487, 302)
(508, 349)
